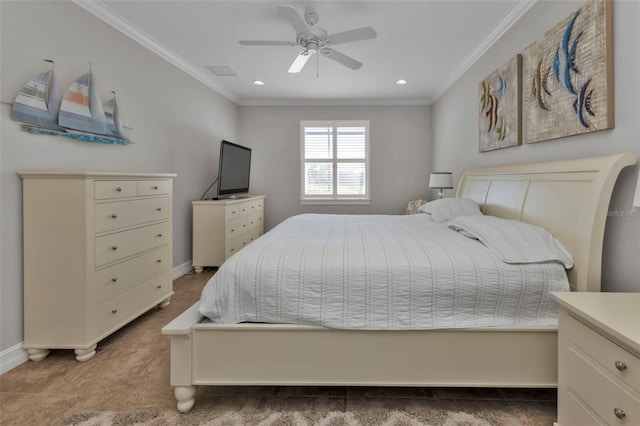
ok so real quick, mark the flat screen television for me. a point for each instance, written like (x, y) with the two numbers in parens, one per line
(234, 167)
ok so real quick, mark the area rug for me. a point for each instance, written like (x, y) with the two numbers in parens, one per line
(292, 418)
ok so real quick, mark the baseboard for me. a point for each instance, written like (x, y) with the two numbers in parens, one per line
(182, 269)
(13, 357)
(16, 355)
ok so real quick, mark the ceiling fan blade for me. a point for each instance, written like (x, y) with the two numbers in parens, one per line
(300, 61)
(266, 43)
(341, 58)
(364, 33)
(294, 18)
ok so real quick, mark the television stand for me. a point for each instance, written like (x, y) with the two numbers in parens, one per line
(222, 227)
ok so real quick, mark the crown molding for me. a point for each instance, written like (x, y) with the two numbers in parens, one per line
(334, 102)
(509, 20)
(103, 12)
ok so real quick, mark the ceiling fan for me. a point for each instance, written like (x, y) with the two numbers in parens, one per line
(314, 39)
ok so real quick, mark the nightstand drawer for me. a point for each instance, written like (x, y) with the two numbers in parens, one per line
(577, 414)
(616, 360)
(599, 392)
(122, 214)
(110, 248)
(105, 189)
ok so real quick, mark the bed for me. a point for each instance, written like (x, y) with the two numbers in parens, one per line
(568, 198)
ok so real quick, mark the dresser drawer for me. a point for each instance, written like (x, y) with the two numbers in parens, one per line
(256, 206)
(129, 304)
(255, 221)
(237, 226)
(112, 247)
(598, 391)
(113, 279)
(616, 360)
(105, 189)
(121, 214)
(153, 187)
(232, 211)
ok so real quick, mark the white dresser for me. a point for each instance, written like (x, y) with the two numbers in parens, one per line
(223, 227)
(599, 359)
(97, 254)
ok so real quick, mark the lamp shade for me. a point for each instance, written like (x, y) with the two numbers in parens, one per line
(442, 180)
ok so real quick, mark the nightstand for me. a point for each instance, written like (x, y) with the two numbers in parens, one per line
(598, 358)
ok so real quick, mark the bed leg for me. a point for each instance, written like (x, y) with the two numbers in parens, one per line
(184, 395)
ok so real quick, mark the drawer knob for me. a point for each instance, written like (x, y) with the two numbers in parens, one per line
(244, 226)
(232, 230)
(159, 260)
(114, 279)
(233, 249)
(159, 235)
(621, 366)
(159, 286)
(243, 209)
(115, 311)
(155, 186)
(114, 247)
(619, 413)
(252, 222)
(253, 207)
(233, 212)
(159, 209)
(114, 215)
(119, 189)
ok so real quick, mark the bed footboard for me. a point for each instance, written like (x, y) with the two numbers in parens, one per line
(203, 353)
(180, 332)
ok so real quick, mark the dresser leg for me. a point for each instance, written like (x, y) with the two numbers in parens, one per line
(198, 269)
(83, 355)
(37, 354)
(165, 302)
(185, 397)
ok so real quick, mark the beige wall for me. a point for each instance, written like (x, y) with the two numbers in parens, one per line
(455, 127)
(176, 123)
(400, 147)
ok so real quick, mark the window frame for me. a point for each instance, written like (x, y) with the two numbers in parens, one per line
(335, 198)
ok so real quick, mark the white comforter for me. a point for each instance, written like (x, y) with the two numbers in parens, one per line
(378, 272)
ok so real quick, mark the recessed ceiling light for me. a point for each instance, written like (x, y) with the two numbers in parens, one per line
(258, 83)
(401, 82)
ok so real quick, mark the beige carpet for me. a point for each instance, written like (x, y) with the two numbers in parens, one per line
(295, 418)
(127, 383)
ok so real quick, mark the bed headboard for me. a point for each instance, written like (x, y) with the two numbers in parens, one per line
(568, 198)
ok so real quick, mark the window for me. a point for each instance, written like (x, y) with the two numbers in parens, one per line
(334, 162)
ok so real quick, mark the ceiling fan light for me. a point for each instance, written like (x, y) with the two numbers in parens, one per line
(258, 82)
(401, 82)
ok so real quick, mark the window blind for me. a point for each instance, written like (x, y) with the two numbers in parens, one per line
(335, 160)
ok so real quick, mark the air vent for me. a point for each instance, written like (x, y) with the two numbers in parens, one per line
(222, 71)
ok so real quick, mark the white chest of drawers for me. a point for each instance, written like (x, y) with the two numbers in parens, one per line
(97, 254)
(223, 227)
(599, 359)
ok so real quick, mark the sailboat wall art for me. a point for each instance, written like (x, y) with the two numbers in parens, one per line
(80, 115)
(38, 102)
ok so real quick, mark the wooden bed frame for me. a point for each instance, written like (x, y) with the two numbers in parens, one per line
(568, 198)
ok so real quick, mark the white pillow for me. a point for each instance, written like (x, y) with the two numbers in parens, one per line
(449, 208)
(513, 241)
